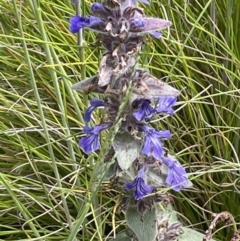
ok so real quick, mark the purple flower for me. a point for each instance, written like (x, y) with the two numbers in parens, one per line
(91, 143)
(165, 104)
(156, 34)
(94, 104)
(176, 178)
(142, 189)
(102, 11)
(139, 22)
(152, 144)
(78, 22)
(97, 7)
(145, 110)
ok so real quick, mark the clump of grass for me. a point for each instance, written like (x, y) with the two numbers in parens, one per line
(48, 190)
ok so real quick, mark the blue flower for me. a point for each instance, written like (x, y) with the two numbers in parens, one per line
(139, 22)
(176, 177)
(145, 110)
(142, 189)
(156, 34)
(78, 22)
(101, 10)
(94, 104)
(152, 144)
(165, 104)
(91, 143)
(97, 7)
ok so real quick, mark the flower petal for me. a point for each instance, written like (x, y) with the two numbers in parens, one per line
(97, 7)
(156, 34)
(177, 177)
(131, 185)
(152, 144)
(139, 22)
(145, 110)
(78, 22)
(165, 104)
(75, 25)
(142, 188)
(94, 104)
(91, 142)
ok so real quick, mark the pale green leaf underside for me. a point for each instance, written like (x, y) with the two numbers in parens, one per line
(193, 235)
(122, 237)
(144, 227)
(127, 149)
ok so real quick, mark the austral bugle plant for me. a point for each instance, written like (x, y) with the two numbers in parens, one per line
(140, 164)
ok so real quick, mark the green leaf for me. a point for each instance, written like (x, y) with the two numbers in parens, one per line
(109, 168)
(168, 214)
(157, 177)
(121, 237)
(193, 235)
(111, 171)
(144, 226)
(127, 149)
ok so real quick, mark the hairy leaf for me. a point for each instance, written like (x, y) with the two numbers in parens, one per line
(193, 235)
(144, 226)
(122, 237)
(127, 149)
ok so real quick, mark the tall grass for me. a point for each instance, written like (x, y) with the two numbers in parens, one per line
(48, 190)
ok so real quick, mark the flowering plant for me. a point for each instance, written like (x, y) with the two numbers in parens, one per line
(131, 97)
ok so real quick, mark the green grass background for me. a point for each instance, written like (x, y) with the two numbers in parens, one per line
(47, 187)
